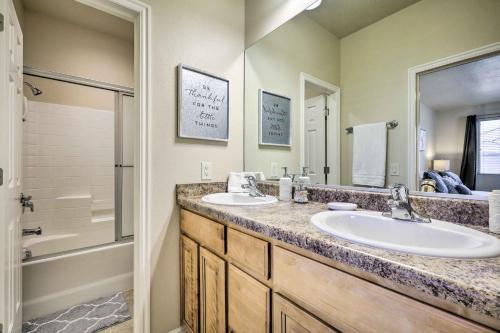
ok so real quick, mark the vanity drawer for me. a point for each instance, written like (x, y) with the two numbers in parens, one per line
(351, 304)
(250, 252)
(208, 233)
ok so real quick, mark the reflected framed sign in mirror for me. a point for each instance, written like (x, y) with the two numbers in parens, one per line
(274, 119)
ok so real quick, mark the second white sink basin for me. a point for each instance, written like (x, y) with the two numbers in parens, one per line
(238, 199)
(439, 239)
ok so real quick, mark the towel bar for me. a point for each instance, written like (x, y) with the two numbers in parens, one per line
(390, 125)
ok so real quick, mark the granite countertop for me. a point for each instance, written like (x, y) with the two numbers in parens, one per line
(470, 283)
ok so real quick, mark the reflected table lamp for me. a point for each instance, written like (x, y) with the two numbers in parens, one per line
(442, 165)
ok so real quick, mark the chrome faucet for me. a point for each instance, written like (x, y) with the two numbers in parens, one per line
(35, 231)
(26, 202)
(252, 187)
(401, 207)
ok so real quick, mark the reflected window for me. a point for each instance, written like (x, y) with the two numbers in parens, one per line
(489, 145)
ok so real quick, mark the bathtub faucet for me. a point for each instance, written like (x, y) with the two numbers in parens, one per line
(35, 231)
(26, 202)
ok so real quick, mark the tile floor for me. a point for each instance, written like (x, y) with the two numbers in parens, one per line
(126, 326)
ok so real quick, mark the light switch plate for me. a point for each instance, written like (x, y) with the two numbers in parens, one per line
(206, 170)
(394, 169)
(274, 169)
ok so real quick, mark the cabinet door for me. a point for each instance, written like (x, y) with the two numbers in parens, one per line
(212, 293)
(189, 278)
(288, 318)
(248, 303)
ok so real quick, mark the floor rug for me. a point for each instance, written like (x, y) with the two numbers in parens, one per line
(88, 317)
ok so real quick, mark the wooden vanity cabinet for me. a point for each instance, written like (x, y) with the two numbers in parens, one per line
(228, 285)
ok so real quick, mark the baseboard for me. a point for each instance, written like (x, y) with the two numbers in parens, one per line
(181, 329)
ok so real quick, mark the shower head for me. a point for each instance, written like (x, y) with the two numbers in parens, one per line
(34, 90)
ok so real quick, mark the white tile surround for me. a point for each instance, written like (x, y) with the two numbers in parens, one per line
(68, 165)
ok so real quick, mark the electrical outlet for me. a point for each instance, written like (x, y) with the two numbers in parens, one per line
(395, 169)
(274, 169)
(206, 170)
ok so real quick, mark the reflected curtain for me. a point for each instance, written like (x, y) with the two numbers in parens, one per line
(468, 168)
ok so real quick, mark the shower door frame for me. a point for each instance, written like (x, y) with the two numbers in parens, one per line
(119, 166)
(119, 92)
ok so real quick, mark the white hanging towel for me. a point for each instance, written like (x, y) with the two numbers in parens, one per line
(236, 179)
(369, 154)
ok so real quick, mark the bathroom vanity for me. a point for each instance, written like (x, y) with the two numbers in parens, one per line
(268, 269)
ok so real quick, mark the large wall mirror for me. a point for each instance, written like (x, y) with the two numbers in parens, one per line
(371, 93)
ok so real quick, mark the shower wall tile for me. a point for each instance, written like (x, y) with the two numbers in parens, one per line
(68, 160)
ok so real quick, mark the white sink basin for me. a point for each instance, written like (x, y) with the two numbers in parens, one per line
(439, 239)
(238, 199)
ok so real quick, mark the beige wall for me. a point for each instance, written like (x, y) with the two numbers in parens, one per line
(375, 62)
(274, 64)
(208, 35)
(263, 16)
(60, 46)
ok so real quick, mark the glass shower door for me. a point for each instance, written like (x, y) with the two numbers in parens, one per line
(125, 167)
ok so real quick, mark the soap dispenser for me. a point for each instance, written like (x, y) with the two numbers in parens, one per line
(300, 195)
(285, 186)
(304, 179)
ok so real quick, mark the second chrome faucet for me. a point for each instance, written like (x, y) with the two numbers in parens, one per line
(400, 205)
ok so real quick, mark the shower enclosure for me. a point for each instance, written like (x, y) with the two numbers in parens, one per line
(78, 163)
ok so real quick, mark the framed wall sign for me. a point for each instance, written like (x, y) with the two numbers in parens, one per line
(274, 119)
(203, 105)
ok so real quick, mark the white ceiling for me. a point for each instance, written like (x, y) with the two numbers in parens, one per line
(88, 17)
(343, 17)
(470, 84)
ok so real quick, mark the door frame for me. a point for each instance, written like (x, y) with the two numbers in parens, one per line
(139, 13)
(333, 122)
(413, 106)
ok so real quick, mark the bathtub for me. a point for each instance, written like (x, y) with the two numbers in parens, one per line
(56, 282)
(43, 245)
(53, 243)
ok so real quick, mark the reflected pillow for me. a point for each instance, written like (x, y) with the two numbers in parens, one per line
(462, 189)
(450, 184)
(440, 185)
(452, 175)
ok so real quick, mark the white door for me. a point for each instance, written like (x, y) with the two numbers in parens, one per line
(315, 139)
(11, 112)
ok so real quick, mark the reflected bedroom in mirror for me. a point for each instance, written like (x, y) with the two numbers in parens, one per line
(374, 93)
(459, 127)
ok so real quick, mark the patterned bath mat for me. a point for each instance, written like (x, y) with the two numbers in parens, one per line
(83, 318)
